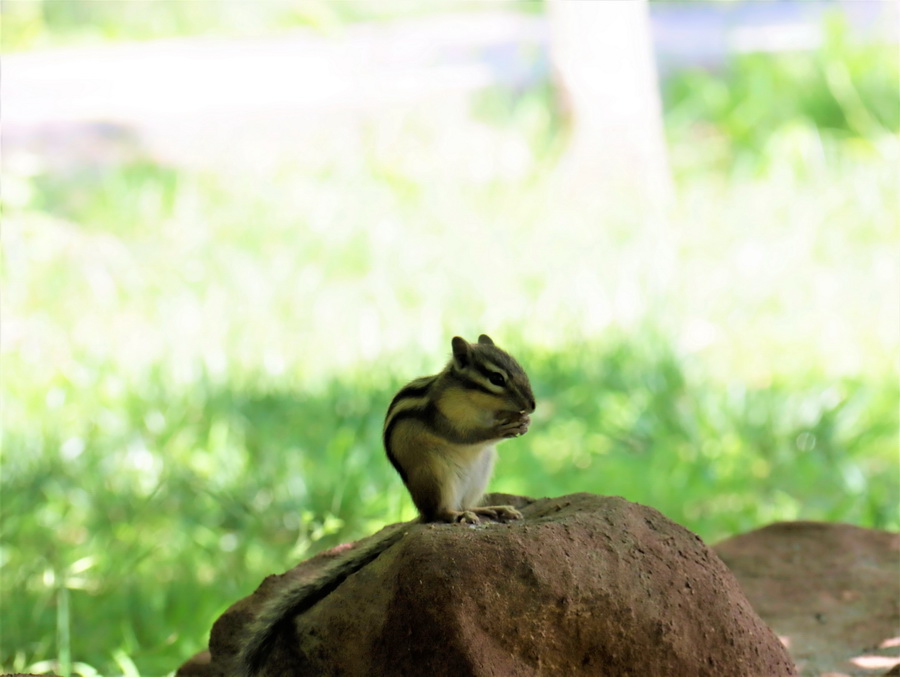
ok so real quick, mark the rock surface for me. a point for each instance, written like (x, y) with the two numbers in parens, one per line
(584, 585)
(830, 591)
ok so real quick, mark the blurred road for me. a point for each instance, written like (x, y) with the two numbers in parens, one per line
(202, 100)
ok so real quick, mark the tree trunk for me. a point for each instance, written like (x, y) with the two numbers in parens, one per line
(603, 60)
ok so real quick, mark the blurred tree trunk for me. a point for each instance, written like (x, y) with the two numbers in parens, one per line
(603, 60)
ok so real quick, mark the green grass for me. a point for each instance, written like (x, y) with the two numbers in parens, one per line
(193, 400)
(768, 112)
(196, 364)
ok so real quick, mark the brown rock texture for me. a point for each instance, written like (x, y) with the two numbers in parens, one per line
(830, 591)
(584, 585)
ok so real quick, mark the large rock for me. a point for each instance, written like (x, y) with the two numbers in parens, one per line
(831, 591)
(584, 585)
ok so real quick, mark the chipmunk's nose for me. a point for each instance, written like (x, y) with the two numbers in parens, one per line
(529, 400)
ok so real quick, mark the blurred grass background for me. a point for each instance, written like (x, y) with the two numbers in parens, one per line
(196, 364)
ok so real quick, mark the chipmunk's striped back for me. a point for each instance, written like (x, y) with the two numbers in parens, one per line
(412, 402)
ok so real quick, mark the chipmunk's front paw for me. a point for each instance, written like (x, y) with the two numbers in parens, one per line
(512, 424)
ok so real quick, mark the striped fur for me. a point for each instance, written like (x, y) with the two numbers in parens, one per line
(440, 431)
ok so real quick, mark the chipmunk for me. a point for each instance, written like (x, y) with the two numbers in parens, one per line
(439, 434)
(440, 431)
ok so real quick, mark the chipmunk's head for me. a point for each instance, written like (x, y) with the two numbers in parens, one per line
(484, 367)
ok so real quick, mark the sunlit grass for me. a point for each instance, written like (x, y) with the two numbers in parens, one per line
(33, 24)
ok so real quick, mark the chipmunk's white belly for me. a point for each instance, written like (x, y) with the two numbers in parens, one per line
(473, 476)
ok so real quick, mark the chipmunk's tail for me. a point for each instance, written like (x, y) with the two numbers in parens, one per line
(298, 596)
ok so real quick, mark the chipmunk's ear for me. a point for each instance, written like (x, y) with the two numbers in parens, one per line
(462, 351)
(485, 340)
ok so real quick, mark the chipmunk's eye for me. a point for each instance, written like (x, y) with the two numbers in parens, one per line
(496, 379)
